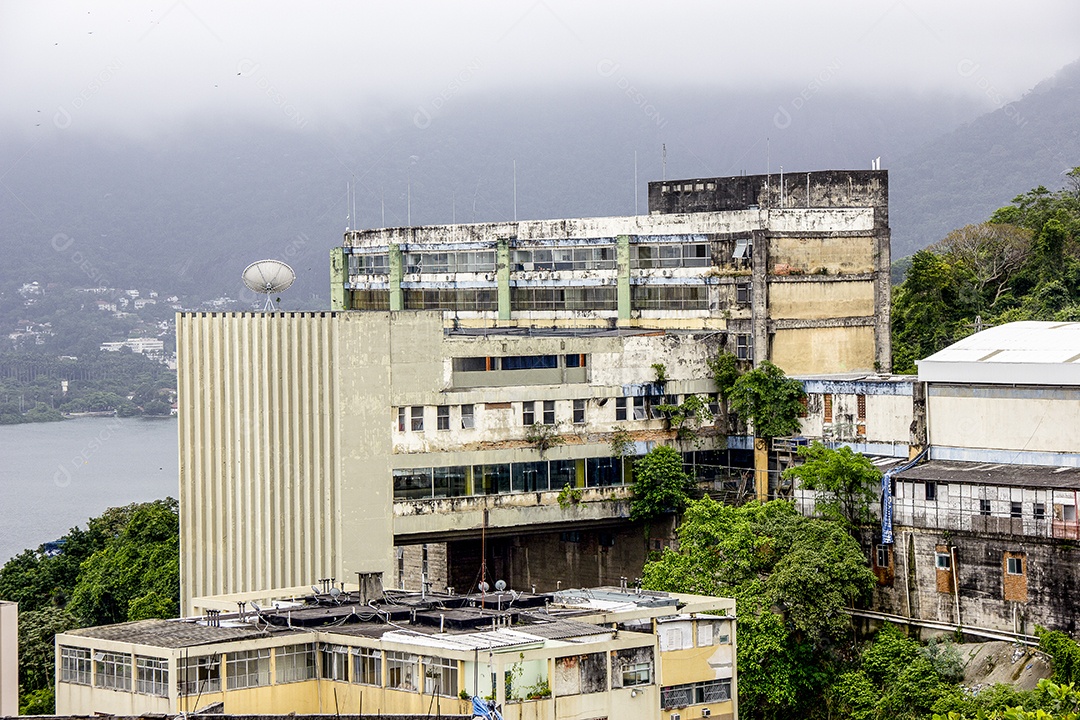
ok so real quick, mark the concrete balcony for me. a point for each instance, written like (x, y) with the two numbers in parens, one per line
(460, 518)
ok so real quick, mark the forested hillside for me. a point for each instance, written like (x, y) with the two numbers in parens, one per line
(1023, 263)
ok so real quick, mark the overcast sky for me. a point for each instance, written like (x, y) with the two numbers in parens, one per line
(140, 65)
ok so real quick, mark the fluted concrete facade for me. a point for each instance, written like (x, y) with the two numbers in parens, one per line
(276, 438)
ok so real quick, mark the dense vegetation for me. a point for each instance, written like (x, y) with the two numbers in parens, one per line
(1023, 264)
(124, 566)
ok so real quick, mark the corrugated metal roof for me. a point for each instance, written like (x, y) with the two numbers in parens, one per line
(972, 473)
(1029, 352)
(169, 633)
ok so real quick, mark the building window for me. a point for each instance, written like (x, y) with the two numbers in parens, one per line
(417, 413)
(641, 410)
(442, 420)
(549, 412)
(637, 674)
(1068, 513)
(579, 412)
(1014, 565)
(75, 665)
(1014, 582)
(152, 676)
(576, 360)
(335, 662)
(468, 419)
(113, 670)
(401, 671)
(984, 506)
(367, 666)
(295, 663)
(246, 669)
(743, 293)
(440, 677)
(882, 556)
(860, 402)
(826, 403)
(1039, 511)
(529, 362)
(401, 419)
(199, 675)
(943, 561)
(1016, 509)
(620, 408)
(744, 348)
(528, 413)
(931, 491)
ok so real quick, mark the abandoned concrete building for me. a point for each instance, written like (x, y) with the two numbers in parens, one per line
(984, 530)
(468, 374)
(333, 648)
(792, 269)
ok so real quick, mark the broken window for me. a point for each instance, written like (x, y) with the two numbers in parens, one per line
(367, 666)
(640, 408)
(528, 413)
(620, 408)
(579, 412)
(744, 292)
(468, 419)
(1068, 513)
(984, 507)
(417, 415)
(931, 491)
(443, 417)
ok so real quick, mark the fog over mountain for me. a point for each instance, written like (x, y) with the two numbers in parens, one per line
(170, 144)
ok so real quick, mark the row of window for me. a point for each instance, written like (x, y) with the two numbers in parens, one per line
(578, 258)
(518, 362)
(478, 299)
(592, 298)
(1016, 507)
(502, 478)
(563, 298)
(1014, 564)
(115, 671)
(541, 412)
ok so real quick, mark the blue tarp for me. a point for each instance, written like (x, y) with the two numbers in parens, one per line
(480, 708)
(887, 497)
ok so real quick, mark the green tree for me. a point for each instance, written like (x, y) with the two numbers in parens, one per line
(37, 656)
(143, 559)
(791, 577)
(770, 400)
(661, 486)
(848, 481)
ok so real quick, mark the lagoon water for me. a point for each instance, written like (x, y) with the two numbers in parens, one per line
(54, 476)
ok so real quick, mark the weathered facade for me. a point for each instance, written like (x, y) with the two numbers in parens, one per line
(805, 285)
(576, 654)
(313, 443)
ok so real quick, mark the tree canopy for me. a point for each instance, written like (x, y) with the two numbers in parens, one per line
(660, 484)
(846, 480)
(1022, 264)
(770, 400)
(123, 566)
(791, 577)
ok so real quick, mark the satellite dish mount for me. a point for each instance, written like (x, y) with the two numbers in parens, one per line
(268, 277)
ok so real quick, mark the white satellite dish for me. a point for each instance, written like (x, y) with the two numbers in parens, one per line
(500, 585)
(268, 277)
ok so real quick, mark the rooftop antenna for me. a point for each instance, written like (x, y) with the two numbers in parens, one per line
(781, 186)
(268, 277)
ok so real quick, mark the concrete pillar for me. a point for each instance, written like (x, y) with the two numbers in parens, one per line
(340, 297)
(502, 275)
(622, 268)
(759, 302)
(882, 301)
(761, 469)
(397, 301)
(9, 659)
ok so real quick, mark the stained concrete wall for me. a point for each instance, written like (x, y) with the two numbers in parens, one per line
(1030, 419)
(1051, 580)
(801, 351)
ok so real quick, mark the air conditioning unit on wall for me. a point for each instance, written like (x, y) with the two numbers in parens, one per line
(706, 712)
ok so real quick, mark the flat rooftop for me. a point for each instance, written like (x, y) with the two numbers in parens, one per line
(1028, 353)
